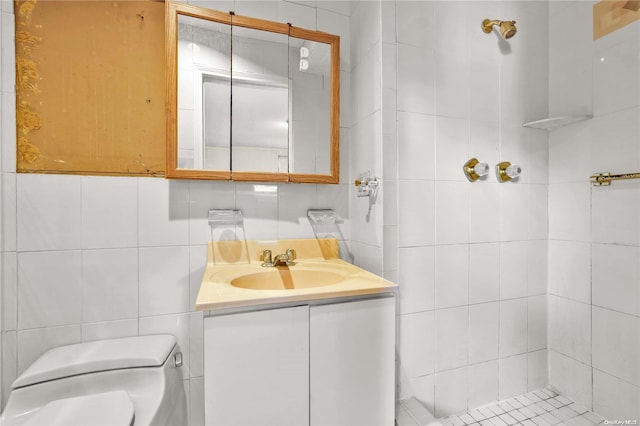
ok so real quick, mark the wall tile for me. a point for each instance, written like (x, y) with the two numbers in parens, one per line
(484, 212)
(196, 406)
(569, 270)
(616, 344)
(33, 343)
(623, 199)
(8, 53)
(259, 205)
(258, 9)
(109, 284)
(538, 212)
(514, 208)
(109, 330)
(416, 79)
(416, 23)
(9, 212)
(537, 322)
(416, 213)
(109, 212)
(615, 277)
(622, 151)
(300, 15)
(513, 376)
(537, 267)
(452, 84)
(538, 370)
(513, 269)
(483, 383)
(196, 344)
(614, 398)
(569, 158)
(452, 347)
(197, 266)
(416, 146)
(452, 276)
(615, 68)
(9, 296)
(570, 328)
(569, 207)
(49, 289)
(484, 326)
(48, 212)
(416, 273)
(513, 327)
(416, 344)
(164, 280)
(9, 365)
(293, 203)
(484, 272)
(484, 83)
(452, 206)
(163, 212)
(451, 391)
(571, 377)
(452, 148)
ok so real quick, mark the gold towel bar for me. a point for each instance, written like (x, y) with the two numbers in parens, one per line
(604, 179)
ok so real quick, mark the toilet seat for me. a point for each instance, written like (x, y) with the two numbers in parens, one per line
(101, 409)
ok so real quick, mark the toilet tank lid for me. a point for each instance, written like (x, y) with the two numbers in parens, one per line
(101, 355)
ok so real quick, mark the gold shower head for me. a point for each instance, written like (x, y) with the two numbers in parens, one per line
(507, 28)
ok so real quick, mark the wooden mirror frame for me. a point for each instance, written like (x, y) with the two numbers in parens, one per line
(173, 9)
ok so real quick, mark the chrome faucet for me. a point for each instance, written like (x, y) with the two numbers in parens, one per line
(285, 259)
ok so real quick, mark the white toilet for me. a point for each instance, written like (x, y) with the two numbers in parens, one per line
(119, 382)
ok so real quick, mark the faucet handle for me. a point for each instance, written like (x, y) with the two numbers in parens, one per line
(291, 254)
(265, 257)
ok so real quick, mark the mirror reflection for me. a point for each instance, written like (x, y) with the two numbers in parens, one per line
(256, 100)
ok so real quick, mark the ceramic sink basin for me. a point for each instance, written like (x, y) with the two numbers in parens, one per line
(287, 279)
(235, 278)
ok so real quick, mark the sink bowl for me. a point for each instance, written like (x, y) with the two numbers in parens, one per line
(287, 279)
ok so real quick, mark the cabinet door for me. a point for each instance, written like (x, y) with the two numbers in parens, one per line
(257, 368)
(353, 363)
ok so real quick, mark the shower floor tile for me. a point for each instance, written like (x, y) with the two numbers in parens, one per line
(544, 407)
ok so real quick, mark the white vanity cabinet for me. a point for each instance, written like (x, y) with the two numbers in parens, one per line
(256, 368)
(318, 364)
(352, 377)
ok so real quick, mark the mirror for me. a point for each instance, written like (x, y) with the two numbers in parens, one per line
(249, 99)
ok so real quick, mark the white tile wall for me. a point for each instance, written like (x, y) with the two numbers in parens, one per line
(86, 257)
(594, 234)
(489, 240)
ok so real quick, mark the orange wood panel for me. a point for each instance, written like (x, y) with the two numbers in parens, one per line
(90, 87)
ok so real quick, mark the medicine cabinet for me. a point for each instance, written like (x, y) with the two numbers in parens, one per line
(250, 99)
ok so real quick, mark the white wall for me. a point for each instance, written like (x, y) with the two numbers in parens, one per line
(87, 257)
(594, 239)
(472, 256)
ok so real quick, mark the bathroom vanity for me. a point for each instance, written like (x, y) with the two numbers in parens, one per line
(304, 355)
